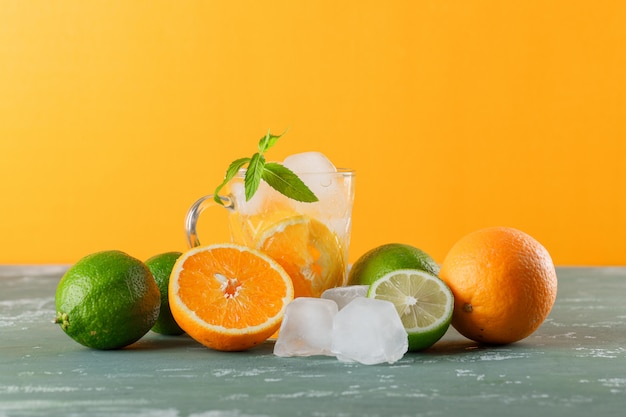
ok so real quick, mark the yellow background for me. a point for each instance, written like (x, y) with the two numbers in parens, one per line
(115, 116)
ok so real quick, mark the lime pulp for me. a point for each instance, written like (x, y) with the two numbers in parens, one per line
(423, 301)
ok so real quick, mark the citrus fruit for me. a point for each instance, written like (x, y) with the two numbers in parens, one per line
(309, 252)
(161, 267)
(387, 258)
(107, 300)
(504, 284)
(228, 297)
(423, 301)
(245, 228)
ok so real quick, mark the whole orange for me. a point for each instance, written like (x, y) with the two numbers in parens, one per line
(504, 284)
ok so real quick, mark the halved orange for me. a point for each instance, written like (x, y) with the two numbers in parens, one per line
(310, 253)
(228, 297)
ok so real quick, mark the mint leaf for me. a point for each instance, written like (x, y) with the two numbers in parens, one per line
(254, 174)
(268, 141)
(232, 170)
(286, 182)
(274, 174)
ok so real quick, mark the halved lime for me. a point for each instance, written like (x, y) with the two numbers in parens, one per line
(423, 301)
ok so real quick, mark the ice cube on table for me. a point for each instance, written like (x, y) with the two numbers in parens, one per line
(343, 295)
(369, 331)
(307, 327)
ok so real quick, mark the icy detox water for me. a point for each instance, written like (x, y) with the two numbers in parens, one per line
(310, 240)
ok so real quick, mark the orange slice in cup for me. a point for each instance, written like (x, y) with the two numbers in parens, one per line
(309, 252)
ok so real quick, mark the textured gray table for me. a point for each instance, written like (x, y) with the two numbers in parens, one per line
(574, 365)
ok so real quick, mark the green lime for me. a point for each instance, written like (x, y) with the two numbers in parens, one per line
(107, 300)
(423, 301)
(390, 257)
(161, 267)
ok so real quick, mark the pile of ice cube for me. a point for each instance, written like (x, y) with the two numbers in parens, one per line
(343, 323)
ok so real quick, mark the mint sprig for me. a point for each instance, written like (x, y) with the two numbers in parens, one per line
(277, 176)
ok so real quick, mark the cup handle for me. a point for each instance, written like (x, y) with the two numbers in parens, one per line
(194, 213)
